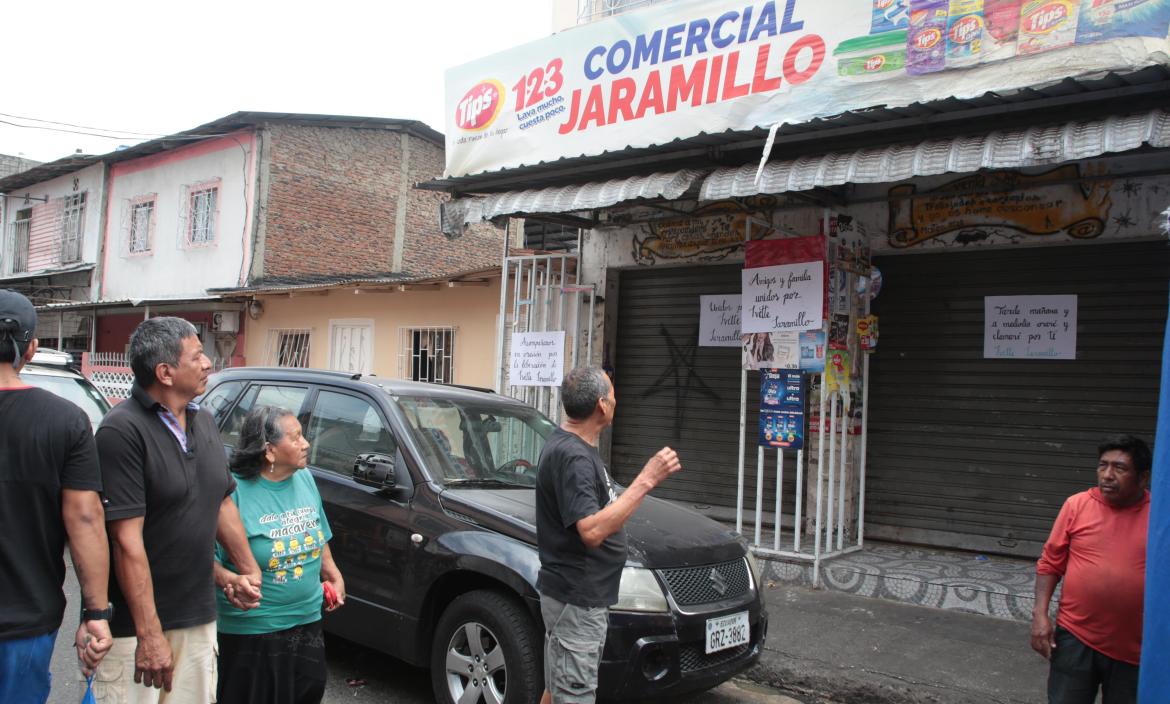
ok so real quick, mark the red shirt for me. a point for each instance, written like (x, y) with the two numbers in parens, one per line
(1101, 553)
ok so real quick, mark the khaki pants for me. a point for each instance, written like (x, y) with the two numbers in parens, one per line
(194, 653)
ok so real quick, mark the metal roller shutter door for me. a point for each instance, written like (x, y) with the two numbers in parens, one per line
(660, 379)
(981, 453)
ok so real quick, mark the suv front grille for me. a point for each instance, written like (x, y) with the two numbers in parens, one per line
(691, 658)
(707, 584)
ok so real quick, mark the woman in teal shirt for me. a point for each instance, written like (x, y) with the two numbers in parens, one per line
(275, 651)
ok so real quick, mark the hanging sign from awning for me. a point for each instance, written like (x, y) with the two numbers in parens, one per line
(672, 70)
(1030, 327)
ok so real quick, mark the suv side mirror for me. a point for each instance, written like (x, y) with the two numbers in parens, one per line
(375, 470)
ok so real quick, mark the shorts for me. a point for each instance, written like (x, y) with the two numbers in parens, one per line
(574, 639)
(194, 652)
(24, 668)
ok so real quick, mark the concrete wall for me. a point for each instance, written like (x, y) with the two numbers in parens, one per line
(46, 227)
(472, 311)
(173, 268)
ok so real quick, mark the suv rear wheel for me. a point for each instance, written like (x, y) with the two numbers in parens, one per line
(486, 650)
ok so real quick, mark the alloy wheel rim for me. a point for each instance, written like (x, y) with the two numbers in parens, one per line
(475, 666)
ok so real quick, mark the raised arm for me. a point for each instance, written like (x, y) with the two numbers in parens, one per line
(596, 528)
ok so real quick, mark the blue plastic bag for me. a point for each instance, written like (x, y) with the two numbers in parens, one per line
(88, 698)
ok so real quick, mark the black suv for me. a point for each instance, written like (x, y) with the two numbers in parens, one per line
(428, 489)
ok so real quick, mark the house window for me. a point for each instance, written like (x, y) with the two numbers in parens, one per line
(288, 348)
(18, 235)
(427, 354)
(73, 226)
(141, 226)
(203, 208)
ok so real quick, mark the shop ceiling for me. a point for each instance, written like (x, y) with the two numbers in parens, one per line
(1130, 93)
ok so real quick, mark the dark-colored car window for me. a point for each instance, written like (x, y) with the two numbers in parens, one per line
(288, 397)
(341, 428)
(219, 401)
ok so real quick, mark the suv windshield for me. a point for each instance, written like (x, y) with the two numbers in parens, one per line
(70, 388)
(475, 443)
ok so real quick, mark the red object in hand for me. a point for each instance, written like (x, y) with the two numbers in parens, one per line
(330, 595)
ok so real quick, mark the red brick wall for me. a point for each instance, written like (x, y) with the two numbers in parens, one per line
(332, 207)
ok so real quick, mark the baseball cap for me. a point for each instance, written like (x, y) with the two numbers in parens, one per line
(18, 319)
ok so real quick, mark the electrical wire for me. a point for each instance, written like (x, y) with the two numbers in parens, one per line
(128, 138)
(80, 127)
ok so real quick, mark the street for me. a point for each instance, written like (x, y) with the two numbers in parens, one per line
(356, 674)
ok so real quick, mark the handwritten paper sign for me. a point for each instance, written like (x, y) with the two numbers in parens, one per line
(538, 358)
(719, 320)
(783, 298)
(1030, 327)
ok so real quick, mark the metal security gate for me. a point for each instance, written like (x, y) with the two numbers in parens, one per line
(672, 392)
(980, 453)
(541, 293)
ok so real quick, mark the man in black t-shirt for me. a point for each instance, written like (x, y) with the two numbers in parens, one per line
(580, 536)
(168, 500)
(50, 479)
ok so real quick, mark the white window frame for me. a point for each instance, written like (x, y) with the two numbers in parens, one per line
(200, 213)
(132, 207)
(302, 351)
(72, 227)
(407, 353)
(352, 323)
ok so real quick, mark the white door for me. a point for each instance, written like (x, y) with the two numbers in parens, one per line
(351, 345)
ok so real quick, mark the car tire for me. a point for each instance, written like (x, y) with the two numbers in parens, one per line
(486, 641)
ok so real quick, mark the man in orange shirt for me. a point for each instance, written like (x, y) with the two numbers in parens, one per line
(1098, 546)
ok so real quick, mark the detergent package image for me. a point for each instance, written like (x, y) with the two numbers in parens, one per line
(1001, 27)
(889, 15)
(872, 57)
(1111, 19)
(926, 43)
(1047, 24)
(964, 32)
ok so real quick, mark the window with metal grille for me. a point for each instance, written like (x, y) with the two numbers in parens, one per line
(201, 226)
(427, 354)
(72, 227)
(141, 226)
(288, 348)
(18, 235)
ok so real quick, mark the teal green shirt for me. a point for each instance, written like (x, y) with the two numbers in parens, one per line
(287, 530)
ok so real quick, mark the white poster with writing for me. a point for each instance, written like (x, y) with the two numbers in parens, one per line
(1030, 327)
(719, 320)
(538, 358)
(784, 298)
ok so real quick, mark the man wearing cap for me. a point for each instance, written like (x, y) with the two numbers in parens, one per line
(49, 471)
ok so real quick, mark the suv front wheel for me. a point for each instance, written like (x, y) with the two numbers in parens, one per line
(486, 649)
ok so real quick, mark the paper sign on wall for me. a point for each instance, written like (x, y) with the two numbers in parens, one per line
(719, 318)
(1030, 327)
(783, 298)
(538, 358)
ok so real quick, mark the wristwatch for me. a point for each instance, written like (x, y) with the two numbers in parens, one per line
(106, 614)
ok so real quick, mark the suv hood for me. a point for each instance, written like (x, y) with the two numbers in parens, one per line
(660, 534)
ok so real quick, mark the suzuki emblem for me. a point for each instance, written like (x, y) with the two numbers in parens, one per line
(718, 583)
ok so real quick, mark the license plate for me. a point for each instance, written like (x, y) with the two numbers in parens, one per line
(727, 632)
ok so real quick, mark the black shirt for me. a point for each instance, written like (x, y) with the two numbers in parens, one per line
(46, 445)
(571, 484)
(146, 473)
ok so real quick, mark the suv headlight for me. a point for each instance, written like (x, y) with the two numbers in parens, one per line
(757, 573)
(639, 591)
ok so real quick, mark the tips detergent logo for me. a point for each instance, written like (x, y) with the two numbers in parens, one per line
(875, 63)
(966, 29)
(480, 106)
(928, 38)
(1047, 18)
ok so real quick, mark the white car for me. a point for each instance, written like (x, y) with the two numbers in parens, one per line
(52, 371)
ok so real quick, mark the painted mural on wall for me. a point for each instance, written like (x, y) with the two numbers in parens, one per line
(712, 234)
(1069, 203)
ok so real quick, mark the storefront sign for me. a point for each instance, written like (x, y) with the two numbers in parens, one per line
(781, 409)
(784, 298)
(538, 358)
(1030, 327)
(668, 71)
(719, 320)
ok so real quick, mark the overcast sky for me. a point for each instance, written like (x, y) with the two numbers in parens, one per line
(160, 67)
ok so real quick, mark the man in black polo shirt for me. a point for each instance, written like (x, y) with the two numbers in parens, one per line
(167, 491)
(580, 536)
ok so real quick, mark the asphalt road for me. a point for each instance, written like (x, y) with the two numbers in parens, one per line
(356, 674)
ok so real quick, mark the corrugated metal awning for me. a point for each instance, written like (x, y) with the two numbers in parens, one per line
(1033, 146)
(566, 199)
